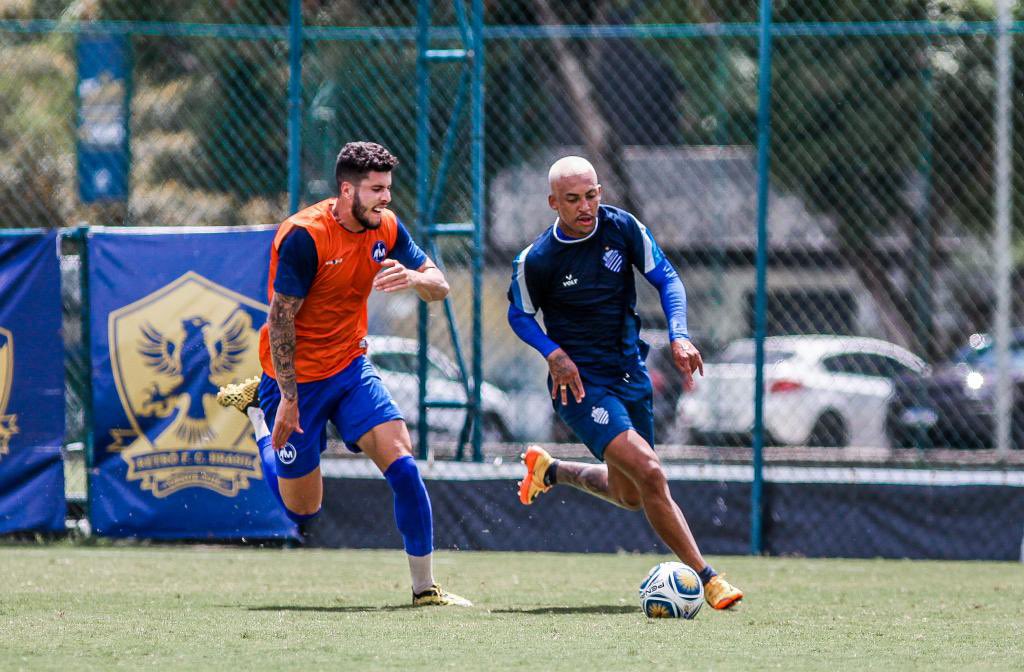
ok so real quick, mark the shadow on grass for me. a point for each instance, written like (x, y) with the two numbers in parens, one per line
(592, 609)
(332, 610)
(539, 611)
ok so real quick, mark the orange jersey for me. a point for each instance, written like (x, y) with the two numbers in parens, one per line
(331, 324)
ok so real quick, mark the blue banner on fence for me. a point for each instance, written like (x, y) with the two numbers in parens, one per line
(175, 315)
(102, 134)
(31, 384)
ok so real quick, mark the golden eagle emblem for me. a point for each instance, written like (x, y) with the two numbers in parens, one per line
(189, 364)
(170, 352)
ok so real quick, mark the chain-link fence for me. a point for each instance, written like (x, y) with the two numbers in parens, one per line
(880, 295)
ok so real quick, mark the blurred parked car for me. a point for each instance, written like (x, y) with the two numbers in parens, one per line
(954, 406)
(666, 381)
(819, 391)
(396, 359)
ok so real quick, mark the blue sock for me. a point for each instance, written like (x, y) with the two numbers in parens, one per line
(412, 506)
(302, 517)
(706, 574)
(269, 460)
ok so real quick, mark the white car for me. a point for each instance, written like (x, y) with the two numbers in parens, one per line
(827, 391)
(397, 361)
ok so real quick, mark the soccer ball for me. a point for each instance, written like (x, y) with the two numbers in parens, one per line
(671, 590)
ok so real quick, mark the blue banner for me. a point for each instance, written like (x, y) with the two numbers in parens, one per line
(175, 315)
(31, 384)
(103, 85)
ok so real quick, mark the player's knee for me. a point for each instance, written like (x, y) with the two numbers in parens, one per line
(650, 477)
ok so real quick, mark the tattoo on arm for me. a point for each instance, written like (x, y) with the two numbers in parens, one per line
(281, 325)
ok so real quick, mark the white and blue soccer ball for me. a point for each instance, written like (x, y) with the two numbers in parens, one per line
(671, 590)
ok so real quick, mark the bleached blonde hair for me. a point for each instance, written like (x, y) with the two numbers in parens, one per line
(569, 166)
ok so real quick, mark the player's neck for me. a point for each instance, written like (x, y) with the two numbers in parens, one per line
(346, 220)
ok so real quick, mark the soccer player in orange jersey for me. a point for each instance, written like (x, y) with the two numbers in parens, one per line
(324, 262)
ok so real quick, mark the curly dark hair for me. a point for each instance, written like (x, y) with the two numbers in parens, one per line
(357, 159)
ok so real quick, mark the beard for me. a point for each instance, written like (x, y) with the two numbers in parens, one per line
(360, 216)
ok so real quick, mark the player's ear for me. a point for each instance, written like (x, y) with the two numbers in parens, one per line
(552, 202)
(346, 190)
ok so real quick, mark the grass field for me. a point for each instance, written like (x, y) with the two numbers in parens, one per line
(65, 607)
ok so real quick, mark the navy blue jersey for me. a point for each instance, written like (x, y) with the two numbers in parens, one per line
(586, 290)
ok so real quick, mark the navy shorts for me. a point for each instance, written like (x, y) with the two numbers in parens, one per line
(354, 399)
(609, 410)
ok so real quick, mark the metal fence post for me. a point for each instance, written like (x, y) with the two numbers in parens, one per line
(1002, 239)
(423, 8)
(294, 104)
(81, 236)
(477, 119)
(761, 296)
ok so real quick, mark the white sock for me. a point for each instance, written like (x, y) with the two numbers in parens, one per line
(259, 422)
(422, 570)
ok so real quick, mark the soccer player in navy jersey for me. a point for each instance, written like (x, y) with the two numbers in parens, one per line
(579, 273)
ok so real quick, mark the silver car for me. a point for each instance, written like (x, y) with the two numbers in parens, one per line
(396, 359)
(827, 391)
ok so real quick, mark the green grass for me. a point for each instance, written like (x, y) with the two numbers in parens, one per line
(66, 607)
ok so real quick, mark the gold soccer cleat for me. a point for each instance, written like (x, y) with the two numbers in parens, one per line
(435, 596)
(537, 461)
(721, 594)
(241, 395)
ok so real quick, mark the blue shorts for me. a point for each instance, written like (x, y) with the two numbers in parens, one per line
(608, 411)
(354, 399)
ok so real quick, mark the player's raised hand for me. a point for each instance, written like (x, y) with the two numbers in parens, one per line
(688, 360)
(564, 377)
(285, 422)
(393, 277)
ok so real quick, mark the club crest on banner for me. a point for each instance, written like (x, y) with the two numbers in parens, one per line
(8, 423)
(170, 351)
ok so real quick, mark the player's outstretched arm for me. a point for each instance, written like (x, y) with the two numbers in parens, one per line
(428, 280)
(670, 288)
(281, 327)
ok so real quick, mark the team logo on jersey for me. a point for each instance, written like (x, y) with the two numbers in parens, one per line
(287, 454)
(380, 251)
(570, 281)
(600, 415)
(8, 423)
(170, 351)
(612, 260)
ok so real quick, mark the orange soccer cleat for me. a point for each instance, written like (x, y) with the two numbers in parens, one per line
(721, 594)
(537, 461)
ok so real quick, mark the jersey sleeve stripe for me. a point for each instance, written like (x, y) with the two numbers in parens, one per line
(520, 292)
(652, 253)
